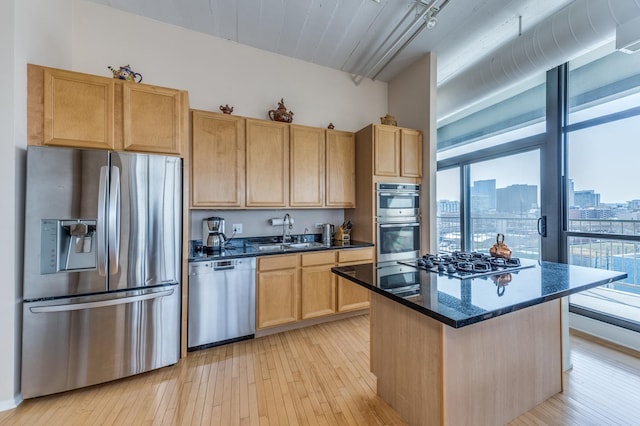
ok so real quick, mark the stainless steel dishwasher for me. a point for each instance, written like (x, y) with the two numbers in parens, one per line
(222, 302)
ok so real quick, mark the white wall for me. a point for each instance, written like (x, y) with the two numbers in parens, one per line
(256, 222)
(412, 100)
(218, 72)
(30, 31)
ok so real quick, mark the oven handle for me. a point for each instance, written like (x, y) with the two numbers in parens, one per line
(395, 225)
(391, 194)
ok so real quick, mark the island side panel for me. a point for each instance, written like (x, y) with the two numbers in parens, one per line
(497, 369)
(406, 349)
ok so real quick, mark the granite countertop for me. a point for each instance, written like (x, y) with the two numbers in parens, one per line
(241, 248)
(461, 302)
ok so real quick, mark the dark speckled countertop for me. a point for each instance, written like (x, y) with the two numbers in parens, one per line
(461, 302)
(244, 248)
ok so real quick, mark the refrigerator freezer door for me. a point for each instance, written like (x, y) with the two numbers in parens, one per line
(63, 220)
(146, 220)
(82, 341)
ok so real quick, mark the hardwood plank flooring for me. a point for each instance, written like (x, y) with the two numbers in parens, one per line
(313, 376)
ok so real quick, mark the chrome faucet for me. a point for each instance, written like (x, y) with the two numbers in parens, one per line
(286, 237)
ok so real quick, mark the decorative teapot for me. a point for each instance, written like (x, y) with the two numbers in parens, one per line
(281, 113)
(226, 109)
(500, 249)
(389, 120)
(126, 73)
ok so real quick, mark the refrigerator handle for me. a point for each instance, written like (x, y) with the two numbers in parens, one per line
(101, 226)
(100, 304)
(114, 221)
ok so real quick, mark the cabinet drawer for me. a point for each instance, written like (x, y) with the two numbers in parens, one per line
(322, 258)
(277, 262)
(360, 255)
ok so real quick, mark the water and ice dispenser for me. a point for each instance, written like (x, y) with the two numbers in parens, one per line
(68, 245)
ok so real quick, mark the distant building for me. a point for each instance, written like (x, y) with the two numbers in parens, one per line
(571, 196)
(586, 199)
(517, 199)
(633, 205)
(448, 206)
(483, 195)
(593, 213)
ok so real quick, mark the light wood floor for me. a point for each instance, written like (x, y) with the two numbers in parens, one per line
(316, 375)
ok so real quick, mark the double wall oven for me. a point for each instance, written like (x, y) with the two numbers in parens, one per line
(398, 221)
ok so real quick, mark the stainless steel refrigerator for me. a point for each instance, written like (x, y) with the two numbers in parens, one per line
(101, 295)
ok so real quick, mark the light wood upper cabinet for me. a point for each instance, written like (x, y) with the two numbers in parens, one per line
(386, 149)
(78, 110)
(152, 119)
(340, 169)
(307, 166)
(397, 152)
(411, 153)
(217, 160)
(267, 162)
(66, 108)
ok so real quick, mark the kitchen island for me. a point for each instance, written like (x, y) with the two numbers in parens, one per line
(476, 351)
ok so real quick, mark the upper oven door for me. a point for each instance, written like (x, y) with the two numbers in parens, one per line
(398, 205)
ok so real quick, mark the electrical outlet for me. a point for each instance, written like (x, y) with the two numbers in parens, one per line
(319, 225)
(237, 228)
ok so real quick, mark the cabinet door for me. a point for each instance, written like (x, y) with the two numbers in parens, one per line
(152, 118)
(318, 291)
(78, 110)
(340, 186)
(352, 296)
(267, 159)
(411, 148)
(217, 162)
(307, 153)
(277, 297)
(386, 151)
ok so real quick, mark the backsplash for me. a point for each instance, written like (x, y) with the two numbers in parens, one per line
(255, 223)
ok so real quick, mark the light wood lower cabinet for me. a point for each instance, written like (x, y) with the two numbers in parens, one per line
(352, 296)
(277, 288)
(317, 285)
(296, 287)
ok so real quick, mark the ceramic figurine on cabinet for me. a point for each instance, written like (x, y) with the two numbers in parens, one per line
(281, 113)
(126, 73)
(226, 109)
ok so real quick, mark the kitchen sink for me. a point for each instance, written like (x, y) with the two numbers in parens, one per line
(272, 247)
(308, 245)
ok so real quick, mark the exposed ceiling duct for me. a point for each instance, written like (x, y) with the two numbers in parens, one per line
(574, 30)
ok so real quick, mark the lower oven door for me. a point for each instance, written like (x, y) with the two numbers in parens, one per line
(398, 241)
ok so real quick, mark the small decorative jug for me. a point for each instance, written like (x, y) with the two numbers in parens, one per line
(281, 113)
(389, 120)
(126, 73)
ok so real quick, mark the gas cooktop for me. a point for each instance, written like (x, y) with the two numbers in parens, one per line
(464, 265)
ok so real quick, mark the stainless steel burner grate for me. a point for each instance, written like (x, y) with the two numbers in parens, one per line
(469, 264)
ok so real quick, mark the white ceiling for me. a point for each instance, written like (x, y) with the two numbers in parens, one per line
(343, 34)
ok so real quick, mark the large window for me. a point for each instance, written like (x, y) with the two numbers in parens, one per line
(489, 173)
(503, 165)
(603, 190)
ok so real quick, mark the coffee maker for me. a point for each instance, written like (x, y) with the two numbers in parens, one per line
(213, 237)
